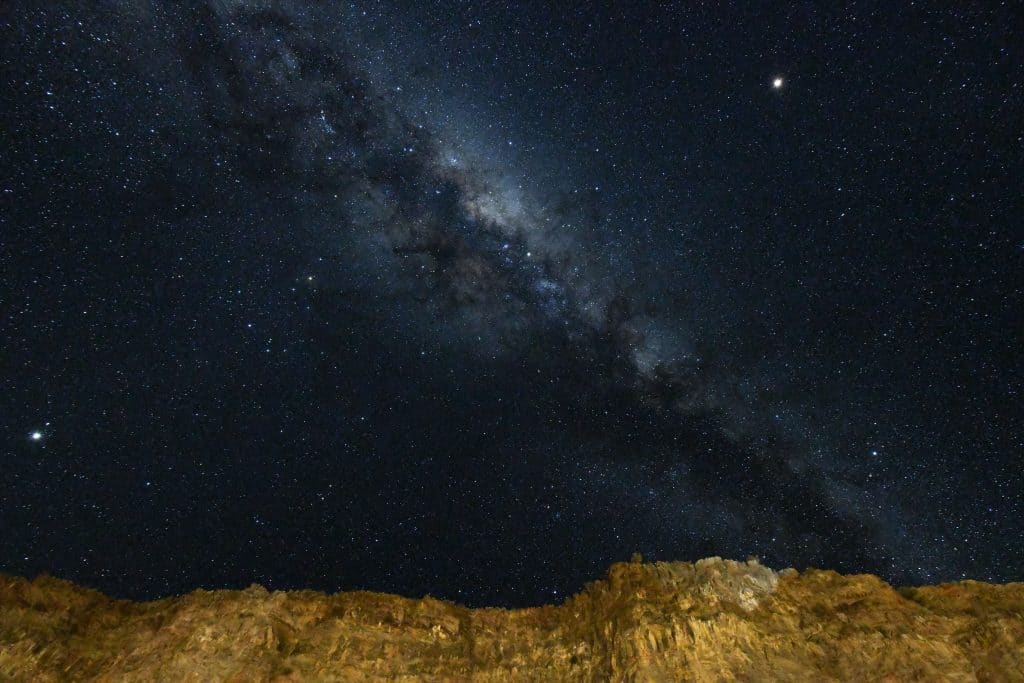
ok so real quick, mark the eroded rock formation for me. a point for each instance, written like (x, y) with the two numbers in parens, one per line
(712, 620)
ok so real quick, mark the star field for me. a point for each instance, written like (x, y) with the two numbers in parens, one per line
(473, 299)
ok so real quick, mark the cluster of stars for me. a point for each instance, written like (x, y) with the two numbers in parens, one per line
(221, 320)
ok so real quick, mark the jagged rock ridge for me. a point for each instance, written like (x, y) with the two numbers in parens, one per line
(712, 620)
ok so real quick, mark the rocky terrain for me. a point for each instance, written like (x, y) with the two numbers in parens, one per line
(712, 620)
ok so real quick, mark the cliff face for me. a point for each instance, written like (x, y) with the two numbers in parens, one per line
(713, 620)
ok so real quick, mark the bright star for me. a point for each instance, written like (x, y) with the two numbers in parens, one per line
(777, 83)
(36, 436)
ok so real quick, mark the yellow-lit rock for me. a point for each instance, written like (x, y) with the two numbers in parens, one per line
(712, 620)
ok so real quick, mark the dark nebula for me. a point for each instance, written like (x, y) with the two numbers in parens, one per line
(475, 299)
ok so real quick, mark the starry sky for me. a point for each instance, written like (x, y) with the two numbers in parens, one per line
(472, 299)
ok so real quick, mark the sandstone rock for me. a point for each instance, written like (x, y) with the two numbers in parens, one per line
(668, 621)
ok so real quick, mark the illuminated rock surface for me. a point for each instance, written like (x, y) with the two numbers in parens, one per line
(713, 620)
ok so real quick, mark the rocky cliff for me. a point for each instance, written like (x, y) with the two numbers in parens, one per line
(712, 620)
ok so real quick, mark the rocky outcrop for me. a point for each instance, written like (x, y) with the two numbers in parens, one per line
(712, 620)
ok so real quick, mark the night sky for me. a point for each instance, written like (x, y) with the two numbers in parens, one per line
(475, 298)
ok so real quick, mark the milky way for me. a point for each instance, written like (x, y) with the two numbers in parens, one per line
(358, 342)
(449, 239)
